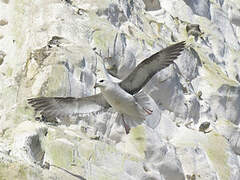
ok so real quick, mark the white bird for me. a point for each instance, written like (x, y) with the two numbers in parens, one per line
(124, 97)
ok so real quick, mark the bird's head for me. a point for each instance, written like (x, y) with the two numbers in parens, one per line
(102, 83)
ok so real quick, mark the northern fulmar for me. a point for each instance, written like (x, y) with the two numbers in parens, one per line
(125, 96)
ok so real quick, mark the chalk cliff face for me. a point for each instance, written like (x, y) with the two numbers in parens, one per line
(46, 49)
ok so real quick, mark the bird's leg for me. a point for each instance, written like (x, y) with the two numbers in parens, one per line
(127, 128)
(148, 111)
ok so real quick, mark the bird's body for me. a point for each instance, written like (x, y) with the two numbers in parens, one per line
(124, 97)
(121, 101)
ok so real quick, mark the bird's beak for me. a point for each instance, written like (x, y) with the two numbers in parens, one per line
(96, 85)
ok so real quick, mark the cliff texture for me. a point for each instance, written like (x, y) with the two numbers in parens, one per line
(46, 49)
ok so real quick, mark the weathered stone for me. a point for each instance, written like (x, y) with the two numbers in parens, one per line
(201, 7)
(235, 142)
(226, 103)
(204, 126)
(2, 56)
(152, 5)
(27, 142)
(5, 1)
(3, 22)
(47, 50)
(194, 30)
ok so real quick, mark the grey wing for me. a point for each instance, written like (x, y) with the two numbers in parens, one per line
(150, 66)
(64, 106)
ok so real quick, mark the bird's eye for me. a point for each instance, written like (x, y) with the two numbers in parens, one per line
(101, 81)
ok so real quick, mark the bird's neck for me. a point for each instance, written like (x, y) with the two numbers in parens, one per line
(111, 86)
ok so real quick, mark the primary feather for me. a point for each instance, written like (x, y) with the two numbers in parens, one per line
(64, 106)
(135, 81)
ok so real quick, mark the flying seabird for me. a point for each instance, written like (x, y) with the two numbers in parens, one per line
(125, 96)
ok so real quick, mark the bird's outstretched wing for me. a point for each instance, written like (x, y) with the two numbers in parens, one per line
(150, 66)
(64, 106)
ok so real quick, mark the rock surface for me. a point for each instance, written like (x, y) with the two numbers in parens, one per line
(46, 49)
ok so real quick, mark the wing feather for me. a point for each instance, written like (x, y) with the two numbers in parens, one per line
(150, 66)
(64, 106)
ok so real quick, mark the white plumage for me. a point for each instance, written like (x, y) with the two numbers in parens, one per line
(124, 97)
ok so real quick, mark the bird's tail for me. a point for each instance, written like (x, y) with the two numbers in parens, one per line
(149, 108)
